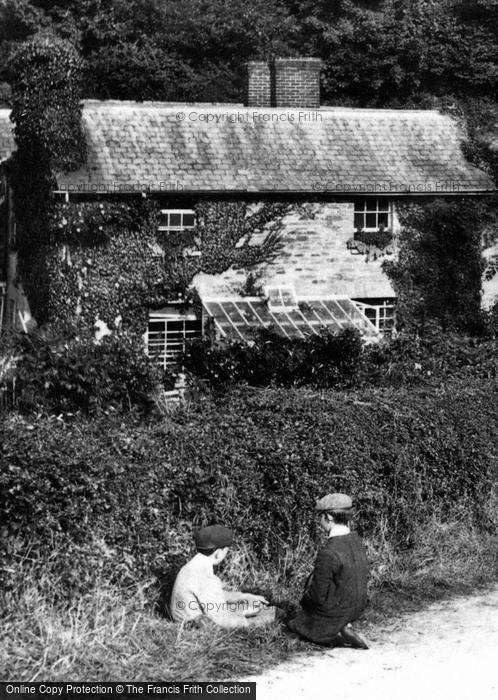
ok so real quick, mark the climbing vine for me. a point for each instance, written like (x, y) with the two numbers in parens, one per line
(101, 263)
(437, 276)
(107, 260)
(46, 112)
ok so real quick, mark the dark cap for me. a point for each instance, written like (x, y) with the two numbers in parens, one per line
(213, 537)
(335, 502)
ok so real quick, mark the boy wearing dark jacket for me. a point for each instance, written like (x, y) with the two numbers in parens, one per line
(336, 591)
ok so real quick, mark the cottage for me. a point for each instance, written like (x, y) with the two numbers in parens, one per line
(346, 170)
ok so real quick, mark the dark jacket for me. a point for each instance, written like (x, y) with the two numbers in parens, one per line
(336, 592)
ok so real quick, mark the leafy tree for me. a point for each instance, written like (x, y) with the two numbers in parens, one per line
(392, 55)
(144, 72)
(376, 52)
(18, 19)
(193, 49)
(45, 103)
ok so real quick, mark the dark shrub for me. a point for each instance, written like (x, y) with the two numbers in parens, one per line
(332, 359)
(80, 374)
(322, 360)
(432, 358)
(437, 275)
(342, 360)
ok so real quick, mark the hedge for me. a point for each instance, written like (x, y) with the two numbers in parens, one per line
(341, 360)
(118, 497)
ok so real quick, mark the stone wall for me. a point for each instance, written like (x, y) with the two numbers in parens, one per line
(314, 259)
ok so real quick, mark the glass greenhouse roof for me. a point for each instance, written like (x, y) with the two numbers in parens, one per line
(237, 318)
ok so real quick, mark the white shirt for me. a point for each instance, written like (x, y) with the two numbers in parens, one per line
(339, 530)
(198, 591)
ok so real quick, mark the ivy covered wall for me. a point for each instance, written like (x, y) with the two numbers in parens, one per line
(100, 264)
(107, 260)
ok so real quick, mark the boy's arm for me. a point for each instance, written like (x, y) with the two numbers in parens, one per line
(247, 604)
(235, 596)
(216, 607)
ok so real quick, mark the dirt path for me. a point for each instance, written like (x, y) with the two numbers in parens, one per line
(446, 652)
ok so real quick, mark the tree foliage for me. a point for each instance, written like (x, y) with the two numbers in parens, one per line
(405, 53)
(376, 52)
(46, 107)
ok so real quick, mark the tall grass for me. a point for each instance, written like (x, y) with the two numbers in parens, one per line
(116, 633)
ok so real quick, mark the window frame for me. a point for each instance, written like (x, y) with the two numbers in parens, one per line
(167, 357)
(169, 228)
(277, 291)
(371, 210)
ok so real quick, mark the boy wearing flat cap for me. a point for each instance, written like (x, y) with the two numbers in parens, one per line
(198, 591)
(336, 591)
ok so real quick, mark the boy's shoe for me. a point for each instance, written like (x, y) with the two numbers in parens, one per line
(354, 640)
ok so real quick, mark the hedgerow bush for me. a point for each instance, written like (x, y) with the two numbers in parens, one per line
(434, 357)
(116, 498)
(323, 360)
(341, 360)
(62, 374)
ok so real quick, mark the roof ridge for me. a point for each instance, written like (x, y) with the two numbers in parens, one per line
(157, 103)
(378, 110)
(324, 109)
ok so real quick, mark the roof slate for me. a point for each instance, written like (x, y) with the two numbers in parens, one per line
(164, 147)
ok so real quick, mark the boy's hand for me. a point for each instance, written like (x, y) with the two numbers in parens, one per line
(253, 598)
(261, 599)
(255, 605)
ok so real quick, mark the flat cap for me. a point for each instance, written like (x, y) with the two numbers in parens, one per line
(213, 537)
(337, 502)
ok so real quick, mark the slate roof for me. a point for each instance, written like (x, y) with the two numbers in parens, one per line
(230, 148)
(7, 143)
(165, 147)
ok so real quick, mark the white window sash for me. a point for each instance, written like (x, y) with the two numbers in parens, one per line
(165, 345)
(179, 227)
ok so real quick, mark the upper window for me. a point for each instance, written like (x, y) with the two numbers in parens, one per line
(176, 220)
(371, 213)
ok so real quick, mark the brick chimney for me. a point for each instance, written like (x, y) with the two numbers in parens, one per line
(259, 84)
(292, 83)
(297, 82)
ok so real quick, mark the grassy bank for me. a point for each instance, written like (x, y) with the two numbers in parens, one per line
(100, 516)
(113, 633)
